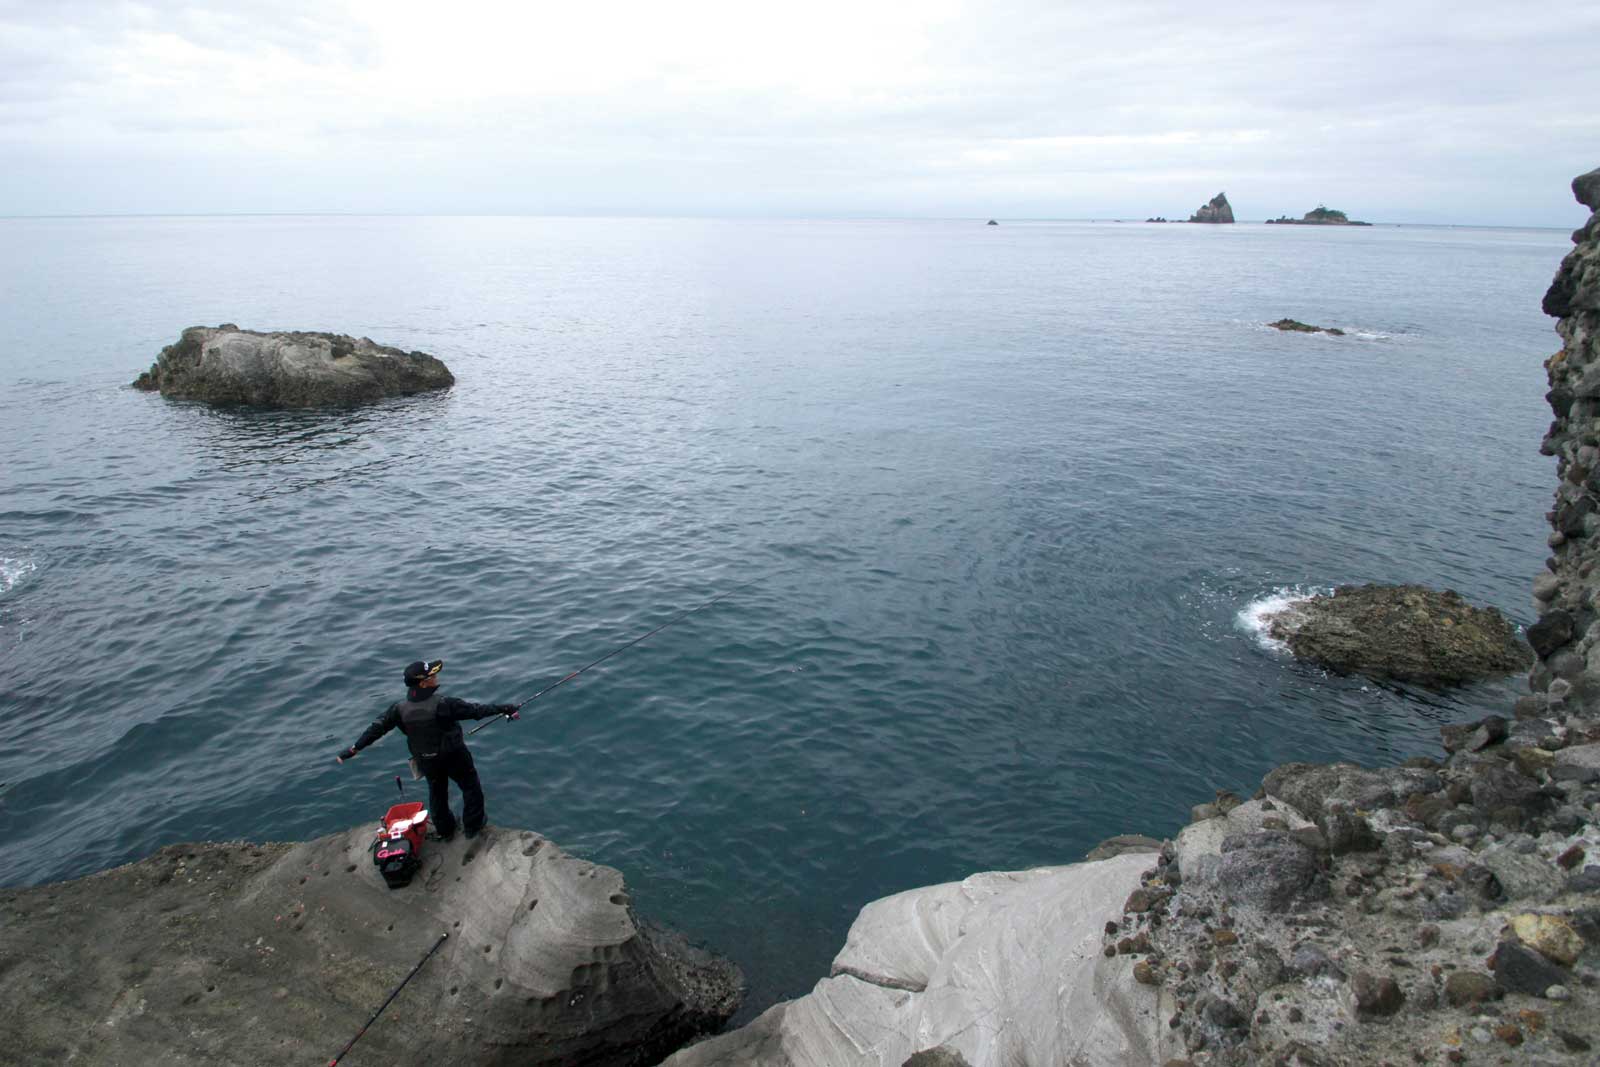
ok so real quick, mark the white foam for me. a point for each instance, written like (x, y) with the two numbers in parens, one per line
(13, 571)
(1257, 616)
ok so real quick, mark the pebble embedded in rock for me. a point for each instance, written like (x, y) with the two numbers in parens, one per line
(1374, 995)
(1465, 988)
(1519, 969)
(1551, 935)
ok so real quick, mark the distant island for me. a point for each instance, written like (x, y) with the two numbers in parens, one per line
(1318, 216)
(1217, 210)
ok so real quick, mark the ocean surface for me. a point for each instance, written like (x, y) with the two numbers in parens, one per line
(1009, 498)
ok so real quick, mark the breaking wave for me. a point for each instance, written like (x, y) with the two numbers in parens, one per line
(1255, 618)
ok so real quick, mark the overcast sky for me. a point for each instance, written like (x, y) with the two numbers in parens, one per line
(1463, 111)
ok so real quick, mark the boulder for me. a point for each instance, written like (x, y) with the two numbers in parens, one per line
(1199, 845)
(1270, 870)
(999, 969)
(1315, 787)
(1402, 633)
(226, 366)
(1216, 210)
(271, 954)
(1123, 845)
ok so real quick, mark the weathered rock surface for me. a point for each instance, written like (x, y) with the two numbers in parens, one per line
(1002, 968)
(227, 366)
(1217, 209)
(272, 954)
(1402, 633)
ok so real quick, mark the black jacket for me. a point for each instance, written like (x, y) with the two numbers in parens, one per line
(430, 721)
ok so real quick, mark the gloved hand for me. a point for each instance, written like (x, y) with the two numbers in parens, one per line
(508, 710)
(349, 753)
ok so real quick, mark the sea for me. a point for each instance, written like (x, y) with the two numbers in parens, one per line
(998, 512)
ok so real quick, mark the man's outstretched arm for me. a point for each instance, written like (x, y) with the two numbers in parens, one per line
(380, 726)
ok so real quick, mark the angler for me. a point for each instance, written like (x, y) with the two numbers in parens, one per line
(431, 722)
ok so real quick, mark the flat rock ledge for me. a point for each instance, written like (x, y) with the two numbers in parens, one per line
(1402, 633)
(271, 954)
(1001, 968)
(229, 367)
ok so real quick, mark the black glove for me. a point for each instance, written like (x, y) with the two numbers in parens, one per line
(349, 753)
(508, 710)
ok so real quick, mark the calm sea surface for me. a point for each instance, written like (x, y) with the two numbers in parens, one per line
(1012, 494)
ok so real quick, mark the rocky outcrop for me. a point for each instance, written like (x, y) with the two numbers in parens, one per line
(1402, 633)
(1217, 210)
(271, 954)
(1392, 915)
(1566, 678)
(227, 366)
(1318, 216)
(1001, 968)
(1295, 326)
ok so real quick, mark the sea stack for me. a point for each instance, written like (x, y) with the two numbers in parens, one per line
(1217, 210)
(226, 367)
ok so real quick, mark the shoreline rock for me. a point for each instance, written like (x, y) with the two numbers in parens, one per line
(228, 367)
(1401, 633)
(270, 954)
(1003, 967)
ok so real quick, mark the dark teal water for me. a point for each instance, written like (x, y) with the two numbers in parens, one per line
(1008, 489)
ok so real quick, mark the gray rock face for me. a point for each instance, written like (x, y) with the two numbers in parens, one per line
(1000, 969)
(1269, 869)
(1216, 210)
(1403, 633)
(227, 366)
(1586, 189)
(274, 954)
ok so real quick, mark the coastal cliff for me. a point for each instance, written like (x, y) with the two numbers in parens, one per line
(1444, 911)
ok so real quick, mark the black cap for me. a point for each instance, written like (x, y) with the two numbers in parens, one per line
(419, 670)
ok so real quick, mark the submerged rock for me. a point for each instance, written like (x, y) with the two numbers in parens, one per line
(1295, 326)
(1403, 633)
(227, 366)
(274, 954)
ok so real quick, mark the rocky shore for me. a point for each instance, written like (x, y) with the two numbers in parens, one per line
(1444, 911)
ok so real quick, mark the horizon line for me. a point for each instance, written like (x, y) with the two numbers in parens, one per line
(725, 218)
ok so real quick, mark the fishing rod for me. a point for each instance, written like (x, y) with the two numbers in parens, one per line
(613, 652)
(346, 1050)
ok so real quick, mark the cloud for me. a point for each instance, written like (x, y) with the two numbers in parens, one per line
(1019, 107)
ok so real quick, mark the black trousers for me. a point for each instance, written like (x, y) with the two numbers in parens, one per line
(440, 771)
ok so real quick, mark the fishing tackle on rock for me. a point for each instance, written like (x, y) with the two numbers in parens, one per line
(613, 652)
(346, 1050)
